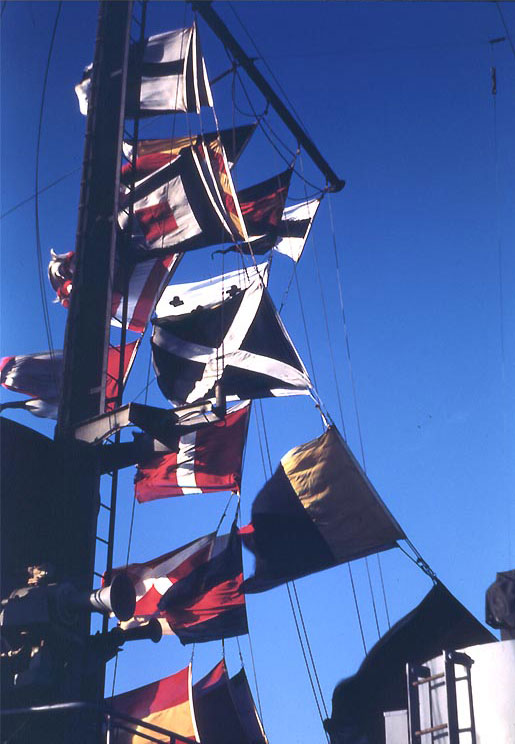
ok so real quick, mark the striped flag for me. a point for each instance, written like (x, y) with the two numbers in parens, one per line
(207, 460)
(147, 279)
(167, 703)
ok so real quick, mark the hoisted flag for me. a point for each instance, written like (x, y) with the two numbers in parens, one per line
(188, 204)
(169, 75)
(154, 154)
(318, 510)
(40, 376)
(225, 710)
(194, 591)
(262, 205)
(288, 238)
(207, 460)
(224, 329)
(146, 280)
(167, 703)
(208, 603)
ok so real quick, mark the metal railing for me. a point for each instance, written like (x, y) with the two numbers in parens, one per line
(114, 722)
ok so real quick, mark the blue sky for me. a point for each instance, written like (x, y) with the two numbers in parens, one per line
(397, 96)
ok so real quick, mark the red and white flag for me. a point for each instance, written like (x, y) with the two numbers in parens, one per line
(153, 579)
(147, 280)
(208, 460)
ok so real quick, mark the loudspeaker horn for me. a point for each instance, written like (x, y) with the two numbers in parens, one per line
(119, 598)
(151, 631)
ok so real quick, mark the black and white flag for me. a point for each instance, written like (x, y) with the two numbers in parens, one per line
(171, 76)
(226, 329)
(294, 228)
(288, 238)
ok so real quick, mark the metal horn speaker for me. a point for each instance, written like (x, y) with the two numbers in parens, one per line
(151, 631)
(119, 598)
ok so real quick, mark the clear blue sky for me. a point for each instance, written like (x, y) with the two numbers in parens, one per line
(397, 96)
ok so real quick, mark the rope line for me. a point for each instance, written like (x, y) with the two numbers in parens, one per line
(357, 608)
(373, 597)
(308, 644)
(306, 659)
(41, 191)
(507, 30)
(41, 276)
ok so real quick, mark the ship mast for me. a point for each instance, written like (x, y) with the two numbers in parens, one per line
(87, 330)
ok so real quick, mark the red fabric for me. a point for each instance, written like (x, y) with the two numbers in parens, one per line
(165, 693)
(208, 605)
(218, 451)
(156, 220)
(113, 369)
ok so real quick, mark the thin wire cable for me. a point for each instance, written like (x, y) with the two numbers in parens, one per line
(357, 608)
(41, 191)
(346, 334)
(507, 30)
(308, 644)
(373, 597)
(306, 662)
(41, 277)
(268, 67)
(384, 591)
(255, 679)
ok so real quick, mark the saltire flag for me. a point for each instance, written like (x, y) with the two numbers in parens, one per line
(224, 329)
(60, 273)
(167, 703)
(40, 376)
(225, 710)
(318, 510)
(168, 74)
(188, 204)
(154, 154)
(208, 604)
(262, 205)
(207, 460)
(290, 236)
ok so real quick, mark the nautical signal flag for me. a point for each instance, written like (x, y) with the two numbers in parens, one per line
(40, 376)
(167, 703)
(208, 603)
(262, 205)
(169, 76)
(318, 510)
(188, 204)
(224, 329)
(154, 154)
(145, 280)
(288, 238)
(195, 591)
(225, 710)
(207, 460)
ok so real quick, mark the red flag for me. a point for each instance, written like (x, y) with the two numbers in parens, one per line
(208, 460)
(166, 703)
